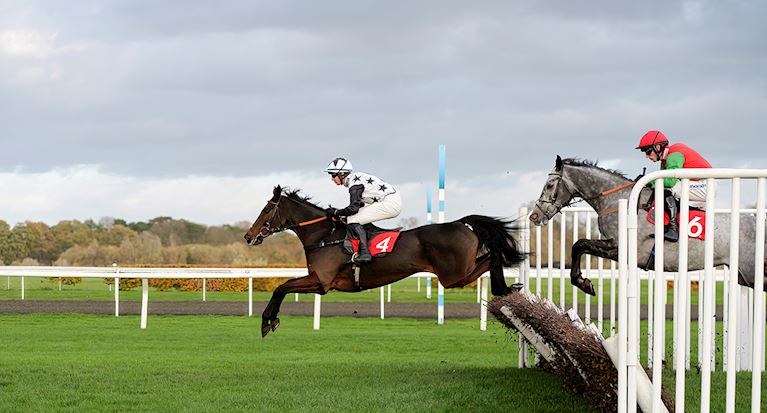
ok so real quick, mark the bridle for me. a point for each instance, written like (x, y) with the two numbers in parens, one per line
(556, 207)
(267, 229)
(553, 201)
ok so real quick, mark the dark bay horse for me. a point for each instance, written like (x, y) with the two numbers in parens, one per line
(457, 252)
(602, 188)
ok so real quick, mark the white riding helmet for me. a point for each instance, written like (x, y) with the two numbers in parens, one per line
(339, 166)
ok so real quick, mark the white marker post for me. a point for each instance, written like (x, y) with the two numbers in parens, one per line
(441, 219)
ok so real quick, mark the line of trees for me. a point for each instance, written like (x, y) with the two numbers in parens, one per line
(162, 240)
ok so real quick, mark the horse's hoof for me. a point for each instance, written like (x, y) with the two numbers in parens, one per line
(264, 331)
(275, 323)
(588, 287)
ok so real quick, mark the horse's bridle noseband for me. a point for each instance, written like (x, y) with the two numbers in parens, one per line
(556, 207)
(267, 230)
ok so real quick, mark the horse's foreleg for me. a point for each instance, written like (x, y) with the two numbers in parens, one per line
(308, 284)
(605, 248)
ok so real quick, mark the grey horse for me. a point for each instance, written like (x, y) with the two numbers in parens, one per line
(602, 188)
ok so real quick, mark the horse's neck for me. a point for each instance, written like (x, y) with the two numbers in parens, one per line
(592, 182)
(313, 233)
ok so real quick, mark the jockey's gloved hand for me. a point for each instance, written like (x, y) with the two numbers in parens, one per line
(331, 213)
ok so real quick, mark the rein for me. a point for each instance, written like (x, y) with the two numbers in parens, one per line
(267, 229)
(606, 211)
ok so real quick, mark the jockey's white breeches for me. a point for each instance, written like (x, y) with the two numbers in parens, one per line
(698, 191)
(386, 208)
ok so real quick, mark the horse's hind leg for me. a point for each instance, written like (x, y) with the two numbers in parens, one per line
(308, 284)
(497, 281)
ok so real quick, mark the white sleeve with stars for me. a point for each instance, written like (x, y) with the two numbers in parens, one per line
(375, 189)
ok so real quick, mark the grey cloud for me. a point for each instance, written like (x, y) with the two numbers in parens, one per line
(249, 88)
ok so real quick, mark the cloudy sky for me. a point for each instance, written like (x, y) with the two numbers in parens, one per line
(135, 109)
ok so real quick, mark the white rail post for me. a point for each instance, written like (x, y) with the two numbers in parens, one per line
(550, 259)
(587, 311)
(632, 305)
(732, 312)
(250, 293)
(22, 288)
(144, 301)
(562, 229)
(388, 293)
(538, 258)
(382, 302)
(524, 278)
(622, 304)
(706, 308)
(600, 291)
(681, 359)
(756, 347)
(117, 292)
(317, 310)
(204, 288)
(483, 305)
(659, 333)
(613, 281)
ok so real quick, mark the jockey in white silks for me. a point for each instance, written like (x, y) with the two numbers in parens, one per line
(370, 200)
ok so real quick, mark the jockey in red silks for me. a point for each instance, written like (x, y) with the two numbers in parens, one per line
(656, 147)
(370, 200)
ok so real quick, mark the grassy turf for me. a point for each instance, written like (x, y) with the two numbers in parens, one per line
(71, 362)
(97, 363)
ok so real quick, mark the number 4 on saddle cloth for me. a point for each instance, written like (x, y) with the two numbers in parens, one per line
(696, 227)
(380, 244)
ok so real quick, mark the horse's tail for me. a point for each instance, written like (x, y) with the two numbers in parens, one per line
(496, 236)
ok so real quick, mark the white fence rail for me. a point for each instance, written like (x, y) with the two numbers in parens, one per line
(205, 273)
(735, 296)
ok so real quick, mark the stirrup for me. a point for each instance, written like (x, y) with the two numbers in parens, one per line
(356, 270)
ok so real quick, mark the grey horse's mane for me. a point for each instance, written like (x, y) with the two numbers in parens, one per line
(591, 164)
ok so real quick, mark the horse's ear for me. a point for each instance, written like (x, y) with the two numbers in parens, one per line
(558, 165)
(277, 192)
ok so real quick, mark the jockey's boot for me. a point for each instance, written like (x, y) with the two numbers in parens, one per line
(363, 253)
(672, 229)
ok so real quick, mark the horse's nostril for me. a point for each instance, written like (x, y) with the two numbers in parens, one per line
(533, 216)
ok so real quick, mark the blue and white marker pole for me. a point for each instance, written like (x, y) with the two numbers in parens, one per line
(441, 219)
(428, 222)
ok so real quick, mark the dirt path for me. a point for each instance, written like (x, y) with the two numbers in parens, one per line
(366, 309)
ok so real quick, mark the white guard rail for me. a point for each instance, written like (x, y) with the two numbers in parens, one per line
(735, 296)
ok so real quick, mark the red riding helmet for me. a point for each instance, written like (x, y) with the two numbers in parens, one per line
(651, 138)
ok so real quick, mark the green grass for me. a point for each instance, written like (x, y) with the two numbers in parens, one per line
(77, 363)
(403, 291)
(69, 362)
(693, 376)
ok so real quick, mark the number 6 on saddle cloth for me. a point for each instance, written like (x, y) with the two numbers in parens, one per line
(696, 225)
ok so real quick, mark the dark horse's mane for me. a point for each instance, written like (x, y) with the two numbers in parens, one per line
(591, 164)
(295, 194)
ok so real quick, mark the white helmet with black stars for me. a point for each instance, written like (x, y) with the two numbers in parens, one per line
(339, 166)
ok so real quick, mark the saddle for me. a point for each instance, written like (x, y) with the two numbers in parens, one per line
(381, 241)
